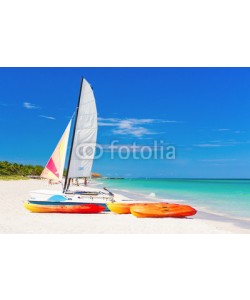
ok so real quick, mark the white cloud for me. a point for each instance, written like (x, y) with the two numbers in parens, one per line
(227, 129)
(129, 147)
(226, 143)
(223, 129)
(104, 124)
(136, 131)
(131, 126)
(141, 121)
(47, 117)
(108, 119)
(169, 121)
(218, 160)
(208, 145)
(108, 122)
(29, 105)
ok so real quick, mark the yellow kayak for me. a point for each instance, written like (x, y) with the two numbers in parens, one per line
(125, 208)
(119, 208)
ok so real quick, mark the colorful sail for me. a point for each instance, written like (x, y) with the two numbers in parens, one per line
(55, 166)
(84, 141)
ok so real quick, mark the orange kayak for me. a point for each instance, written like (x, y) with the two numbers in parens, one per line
(162, 211)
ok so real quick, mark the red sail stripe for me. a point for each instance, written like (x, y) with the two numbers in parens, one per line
(51, 166)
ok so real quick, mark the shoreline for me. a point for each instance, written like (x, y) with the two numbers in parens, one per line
(202, 213)
(14, 218)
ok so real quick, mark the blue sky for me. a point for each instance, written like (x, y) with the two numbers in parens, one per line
(202, 112)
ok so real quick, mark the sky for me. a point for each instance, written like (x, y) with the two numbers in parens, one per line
(201, 113)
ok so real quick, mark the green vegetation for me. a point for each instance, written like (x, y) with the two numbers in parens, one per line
(11, 171)
(12, 177)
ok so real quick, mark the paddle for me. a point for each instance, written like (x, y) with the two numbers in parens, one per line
(110, 193)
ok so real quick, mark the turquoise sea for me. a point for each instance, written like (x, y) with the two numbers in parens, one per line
(225, 197)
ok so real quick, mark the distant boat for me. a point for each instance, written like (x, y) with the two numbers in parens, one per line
(82, 152)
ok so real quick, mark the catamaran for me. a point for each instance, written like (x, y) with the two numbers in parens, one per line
(81, 156)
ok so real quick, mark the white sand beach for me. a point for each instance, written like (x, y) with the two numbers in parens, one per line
(14, 218)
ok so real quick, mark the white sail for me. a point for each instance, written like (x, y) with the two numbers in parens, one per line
(84, 144)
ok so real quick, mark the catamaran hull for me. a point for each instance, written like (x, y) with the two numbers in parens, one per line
(43, 197)
(58, 207)
(44, 194)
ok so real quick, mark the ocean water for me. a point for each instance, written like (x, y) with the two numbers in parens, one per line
(224, 197)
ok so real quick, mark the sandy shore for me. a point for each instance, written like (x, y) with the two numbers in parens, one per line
(14, 218)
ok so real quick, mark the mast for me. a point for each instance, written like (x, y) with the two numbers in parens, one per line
(72, 143)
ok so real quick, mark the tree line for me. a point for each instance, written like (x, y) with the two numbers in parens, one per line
(14, 169)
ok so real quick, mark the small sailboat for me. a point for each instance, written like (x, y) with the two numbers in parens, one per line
(82, 152)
